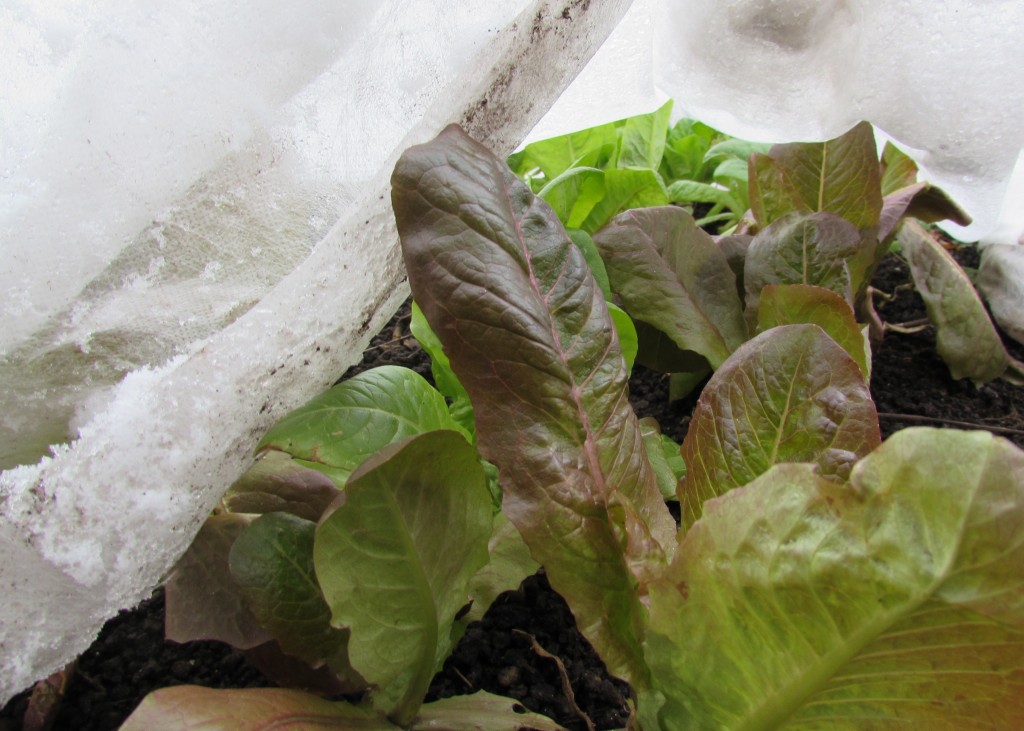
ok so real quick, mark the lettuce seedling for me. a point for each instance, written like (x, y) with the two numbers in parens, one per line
(819, 579)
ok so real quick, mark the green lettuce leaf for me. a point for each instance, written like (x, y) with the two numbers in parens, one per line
(791, 394)
(592, 147)
(574, 193)
(531, 339)
(460, 407)
(272, 564)
(643, 138)
(964, 335)
(671, 275)
(895, 601)
(346, 424)
(589, 250)
(625, 189)
(394, 557)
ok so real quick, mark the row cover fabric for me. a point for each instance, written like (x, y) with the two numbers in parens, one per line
(223, 289)
(197, 236)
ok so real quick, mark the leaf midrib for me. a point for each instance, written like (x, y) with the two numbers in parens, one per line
(776, 709)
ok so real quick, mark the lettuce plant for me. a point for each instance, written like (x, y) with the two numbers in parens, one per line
(819, 578)
(824, 215)
(347, 561)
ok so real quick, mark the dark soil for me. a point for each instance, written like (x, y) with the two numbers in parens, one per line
(510, 651)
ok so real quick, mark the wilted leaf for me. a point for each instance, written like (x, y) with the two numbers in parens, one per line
(191, 708)
(203, 602)
(794, 304)
(801, 249)
(1001, 280)
(277, 483)
(789, 395)
(346, 424)
(479, 712)
(964, 334)
(894, 601)
(272, 565)
(394, 558)
(671, 275)
(532, 341)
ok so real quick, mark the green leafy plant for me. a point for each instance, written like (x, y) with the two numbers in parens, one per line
(347, 561)
(814, 567)
(820, 578)
(589, 176)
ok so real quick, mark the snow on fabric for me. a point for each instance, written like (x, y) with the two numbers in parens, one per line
(223, 288)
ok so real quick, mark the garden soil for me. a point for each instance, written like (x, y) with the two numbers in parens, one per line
(527, 645)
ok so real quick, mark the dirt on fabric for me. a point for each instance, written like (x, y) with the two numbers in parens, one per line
(527, 645)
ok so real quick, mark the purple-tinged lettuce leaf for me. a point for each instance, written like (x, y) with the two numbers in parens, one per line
(346, 424)
(191, 708)
(394, 557)
(530, 337)
(479, 712)
(791, 394)
(812, 248)
(841, 176)
(898, 170)
(894, 601)
(202, 600)
(277, 483)
(964, 335)
(903, 195)
(671, 275)
(772, 195)
(793, 304)
(272, 565)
